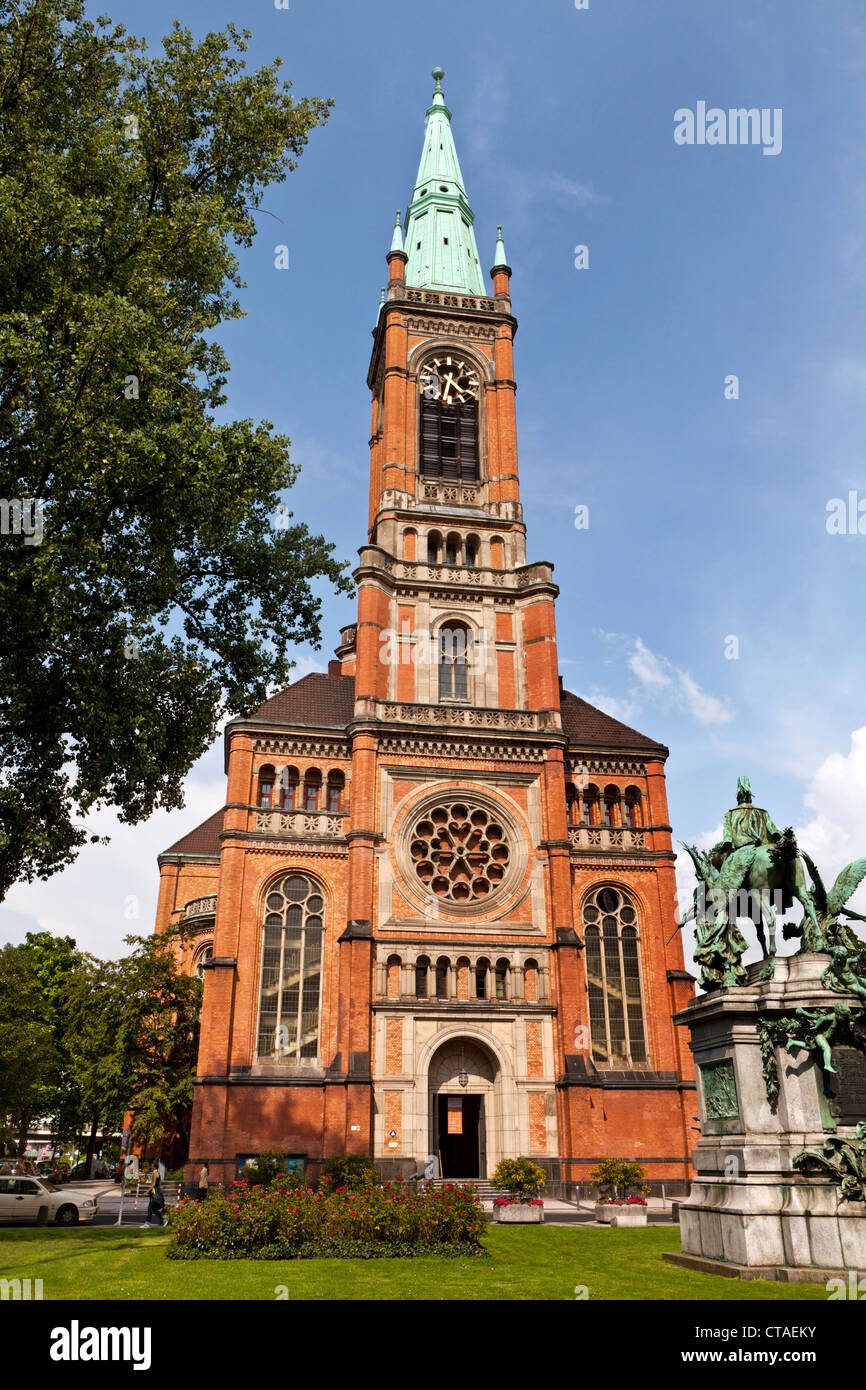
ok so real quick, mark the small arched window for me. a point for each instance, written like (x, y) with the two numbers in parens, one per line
(312, 788)
(452, 548)
(422, 968)
(500, 977)
(611, 805)
(632, 807)
(289, 786)
(481, 971)
(336, 785)
(290, 997)
(442, 967)
(472, 547)
(616, 1021)
(590, 805)
(267, 777)
(434, 548)
(572, 805)
(455, 652)
(204, 955)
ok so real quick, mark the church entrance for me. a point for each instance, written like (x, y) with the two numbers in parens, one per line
(459, 1129)
(463, 1108)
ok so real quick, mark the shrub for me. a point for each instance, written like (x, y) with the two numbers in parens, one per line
(354, 1172)
(519, 1176)
(619, 1174)
(266, 1168)
(279, 1223)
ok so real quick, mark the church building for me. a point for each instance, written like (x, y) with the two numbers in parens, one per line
(435, 915)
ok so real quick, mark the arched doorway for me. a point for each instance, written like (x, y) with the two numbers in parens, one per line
(464, 1111)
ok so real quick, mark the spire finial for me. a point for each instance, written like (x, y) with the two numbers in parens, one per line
(397, 238)
(500, 259)
(438, 74)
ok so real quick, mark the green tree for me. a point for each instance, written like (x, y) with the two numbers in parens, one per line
(55, 961)
(134, 1027)
(29, 1064)
(162, 595)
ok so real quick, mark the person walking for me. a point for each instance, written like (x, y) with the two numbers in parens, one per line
(203, 1179)
(155, 1200)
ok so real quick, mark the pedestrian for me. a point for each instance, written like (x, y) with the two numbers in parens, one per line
(203, 1179)
(155, 1200)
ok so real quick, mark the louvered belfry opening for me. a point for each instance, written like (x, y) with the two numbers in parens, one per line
(449, 440)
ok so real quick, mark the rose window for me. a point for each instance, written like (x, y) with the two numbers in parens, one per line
(460, 853)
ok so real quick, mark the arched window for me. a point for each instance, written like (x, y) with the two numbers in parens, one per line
(336, 784)
(204, 955)
(455, 651)
(434, 548)
(442, 967)
(290, 1000)
(472, 548)
(267, 777)
(500, 977)
(632, 807)
(312, 788)
(422, 967)
(289, 786)
(572, 804)
(452, 548)
(481, 970)
(616, 1022)
(611, 803)
(590, 805)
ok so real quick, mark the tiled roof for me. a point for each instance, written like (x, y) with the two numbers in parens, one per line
(203, 840)
(588, 727)
(317, 699)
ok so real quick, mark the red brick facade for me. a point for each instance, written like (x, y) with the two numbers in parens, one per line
(456, 825)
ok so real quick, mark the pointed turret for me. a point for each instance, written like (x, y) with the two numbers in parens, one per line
(500, 260)
(440, 242)
(397, 238)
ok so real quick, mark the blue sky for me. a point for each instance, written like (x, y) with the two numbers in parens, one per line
(707, 515)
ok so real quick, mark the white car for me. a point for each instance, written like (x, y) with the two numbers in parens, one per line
(24, 1199)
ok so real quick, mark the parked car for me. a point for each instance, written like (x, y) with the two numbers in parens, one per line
(52, 1172)
(98, 1169)
(23, 1199)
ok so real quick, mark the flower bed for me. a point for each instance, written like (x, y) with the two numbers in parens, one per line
(518, 1210)
(280, 1223)
(621, 1211)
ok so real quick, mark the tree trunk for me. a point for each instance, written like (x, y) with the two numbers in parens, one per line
(91, 1145)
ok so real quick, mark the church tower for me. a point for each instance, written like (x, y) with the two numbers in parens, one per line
(443, 886)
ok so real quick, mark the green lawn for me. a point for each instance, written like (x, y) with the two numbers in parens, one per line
(537, 1262)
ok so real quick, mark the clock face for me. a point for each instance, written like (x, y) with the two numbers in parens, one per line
(449, 380)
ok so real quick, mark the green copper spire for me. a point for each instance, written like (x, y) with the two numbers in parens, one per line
(397, 238)
(440, 241)
(500, 259)
(382, 298)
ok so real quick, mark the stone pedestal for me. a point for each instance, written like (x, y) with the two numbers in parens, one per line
(750, 1211)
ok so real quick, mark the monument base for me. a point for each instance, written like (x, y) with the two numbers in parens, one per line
(753, 1212)
(781, 1274)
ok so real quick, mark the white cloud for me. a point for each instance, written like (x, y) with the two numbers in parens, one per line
(658, 678)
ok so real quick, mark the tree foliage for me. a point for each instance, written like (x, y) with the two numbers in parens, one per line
(161, 596)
